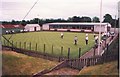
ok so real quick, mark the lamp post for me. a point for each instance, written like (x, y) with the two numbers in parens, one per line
(100, 27)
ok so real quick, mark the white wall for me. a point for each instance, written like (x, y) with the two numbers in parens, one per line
(38, 28)
(97, 28)
(45, 27)
(31, 27)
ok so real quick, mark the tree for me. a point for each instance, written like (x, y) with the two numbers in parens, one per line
(69, 19)
(23, 22)
(95, 19)
(13, 22)
(85, 19)
(108, 18)
(74, 19)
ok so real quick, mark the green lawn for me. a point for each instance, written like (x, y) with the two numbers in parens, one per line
(19, 64)
(53, 38)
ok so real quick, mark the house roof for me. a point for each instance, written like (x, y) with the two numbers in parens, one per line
(97, 24)
(11, 26)
(32, 25)
(1, 26)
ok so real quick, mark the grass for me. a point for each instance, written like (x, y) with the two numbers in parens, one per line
(18, 64)
(103, 69)
(53, 38)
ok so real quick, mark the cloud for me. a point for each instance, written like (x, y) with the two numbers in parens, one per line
(17, 9)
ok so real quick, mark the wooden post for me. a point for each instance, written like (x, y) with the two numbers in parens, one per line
(85, 62)
(16, 44)
(44, 49)
(4, 42)
(71, 63)
(68, 53)
(20, 44)
(36, 47)
(79, 52)
(75, 64)
(59, 58)
(105, 42)
(12, 45)
(94, 51)
(107, 47)
(30, 45)
(78, 64)
(24, 45)
(61, 51)
(52, 49)
(88, 61)
(7, 43)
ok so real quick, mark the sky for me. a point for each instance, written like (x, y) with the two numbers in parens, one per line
(17, 9)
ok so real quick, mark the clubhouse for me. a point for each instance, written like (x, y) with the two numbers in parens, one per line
(83, 27)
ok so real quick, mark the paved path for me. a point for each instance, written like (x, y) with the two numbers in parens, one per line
(91, 52)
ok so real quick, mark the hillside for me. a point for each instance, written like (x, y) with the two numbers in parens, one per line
(103, 69)
(19, 64)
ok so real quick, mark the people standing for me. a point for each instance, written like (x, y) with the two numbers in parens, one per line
(62, 35)
(75, 40)
(86, 40)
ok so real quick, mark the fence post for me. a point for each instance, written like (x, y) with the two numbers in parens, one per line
(59, 58)
(24, 45)
(88, 61)
(7, 43)
(107, 47)
(36, 47)
(52, 49)
(68, 53)
(30, 45)
(61, 51)
(105, 42)
(4, 43)
(94, 51)
(79, 52)
(20, 44)
(16, 44)
(44, 49)
(106, 50)
(12, 45)
(61, 54)
(71, 63)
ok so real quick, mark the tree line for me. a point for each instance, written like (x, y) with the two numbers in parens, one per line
(107, 18)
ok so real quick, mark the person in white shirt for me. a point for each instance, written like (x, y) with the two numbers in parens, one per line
(86, 40)
(6, 32)
(62, 35)
(75, 40)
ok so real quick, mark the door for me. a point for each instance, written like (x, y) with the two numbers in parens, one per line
(34, 28)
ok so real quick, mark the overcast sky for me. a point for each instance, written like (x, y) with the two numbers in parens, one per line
(17, 9)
